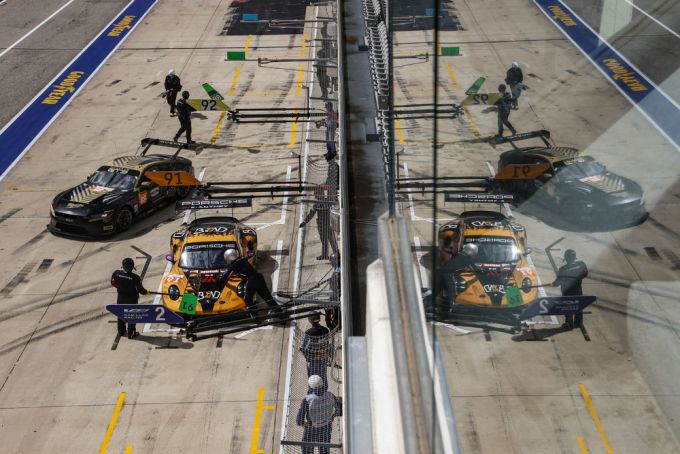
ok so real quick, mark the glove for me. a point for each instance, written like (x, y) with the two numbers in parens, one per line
(302, 224)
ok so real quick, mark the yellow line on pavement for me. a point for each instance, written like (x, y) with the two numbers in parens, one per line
(400, 136)
(112, 424)
(452, 76)
(582, 445)
(293, 132)
(217, 129)
(299, 82)
(473, 126)
(258, 421)
(245, 48)
(128, 450)
(596, 419)
(304, 44)
(233, 83)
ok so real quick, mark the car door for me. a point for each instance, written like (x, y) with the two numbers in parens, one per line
(148, 192)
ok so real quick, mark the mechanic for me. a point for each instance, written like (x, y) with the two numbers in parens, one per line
(184, 115)
(504, 105)
(323, 222)
(333, 173)
(569, 278)
(316, 414)
(172, 87)
(514, 78)
(129, 287)
(254, 284)
(316, 347)
(453, 264)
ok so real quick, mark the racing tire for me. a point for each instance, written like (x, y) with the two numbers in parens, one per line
(123, 219)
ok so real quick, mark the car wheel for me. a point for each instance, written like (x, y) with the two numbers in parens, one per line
(123, 219)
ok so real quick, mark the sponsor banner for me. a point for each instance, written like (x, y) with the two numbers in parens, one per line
(479, 198)
(144, 313)
(557, 305)
(214, 204)
(662, 111)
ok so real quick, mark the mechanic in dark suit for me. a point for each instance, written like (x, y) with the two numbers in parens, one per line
(322, 211)
(316, 347)
(255, 281)
(129, 286)
(184, 115)
(569, 278)
(504, 105)
(514, 79)
(172, 87)
(452, 263)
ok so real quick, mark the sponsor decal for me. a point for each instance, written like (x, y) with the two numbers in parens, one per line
(121, 26)
(67, 85)
(100, 189)
(173, 278)
(143, 197)
(624, 74)
(221, 229)
(562, 16)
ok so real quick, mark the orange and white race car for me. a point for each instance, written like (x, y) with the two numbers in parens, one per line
(499, 276)
(197, 263)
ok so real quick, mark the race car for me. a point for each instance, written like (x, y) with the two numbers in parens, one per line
(500, 264)
(577, 186)
(196, 254)
(115, 195)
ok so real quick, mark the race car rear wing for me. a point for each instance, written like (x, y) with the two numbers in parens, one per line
(542, 134)
(148, 142)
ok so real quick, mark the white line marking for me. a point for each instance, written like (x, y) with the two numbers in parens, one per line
(652, 18)
(157, 299)
(82, 86)
(298, 266)
(284, 208)
(35, 28)
(541, 290)
(414, 217)
(424, 279)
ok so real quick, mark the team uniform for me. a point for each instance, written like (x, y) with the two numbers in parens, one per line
(129, 287)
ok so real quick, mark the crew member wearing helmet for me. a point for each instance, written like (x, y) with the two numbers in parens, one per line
(316, 414)
(464, 259)
(569, 278)
(255, 282)
(172, 87)
(129, 286)
(514, 78)
(184, 115)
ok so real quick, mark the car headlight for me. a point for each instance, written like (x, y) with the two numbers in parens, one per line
(173, 292)
(526, 285)
(105, 216)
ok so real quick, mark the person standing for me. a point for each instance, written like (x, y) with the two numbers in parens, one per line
(316, 413)
(129, 287)
(322, 210)
(569, 279)
(255, 282)
(453, 263)
(514, 78)
(316, 347)
(504, 105)
(184, 115)
(172, 87)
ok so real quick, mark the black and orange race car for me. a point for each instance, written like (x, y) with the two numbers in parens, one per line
(499, 277)
(196, 254)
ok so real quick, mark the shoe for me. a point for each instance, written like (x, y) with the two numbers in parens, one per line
(514, 132)
(123, 334)
(191, 142)
(323, 257)
(175, 139)
(173, 114)
(133, 334)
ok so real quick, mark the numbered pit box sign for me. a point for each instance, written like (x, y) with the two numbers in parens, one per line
(514, 297)
(188, 304)
(144, 313)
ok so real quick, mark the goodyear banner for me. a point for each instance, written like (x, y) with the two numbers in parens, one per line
(27, 126)
(662, 111)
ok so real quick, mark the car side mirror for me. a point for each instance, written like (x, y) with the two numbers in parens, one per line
(528, 250)
(169, 257)
(146, 185)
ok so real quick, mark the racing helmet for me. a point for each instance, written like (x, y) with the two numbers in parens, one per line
(501, 88)
(171, 72)
(128, 264)
(230, 255)
(469, 250)
(315, 382)
(515, 64)
(185, 94)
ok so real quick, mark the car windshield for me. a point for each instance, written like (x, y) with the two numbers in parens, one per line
(581, 168)
(204, 256)
(494, 249)
(114, 178)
